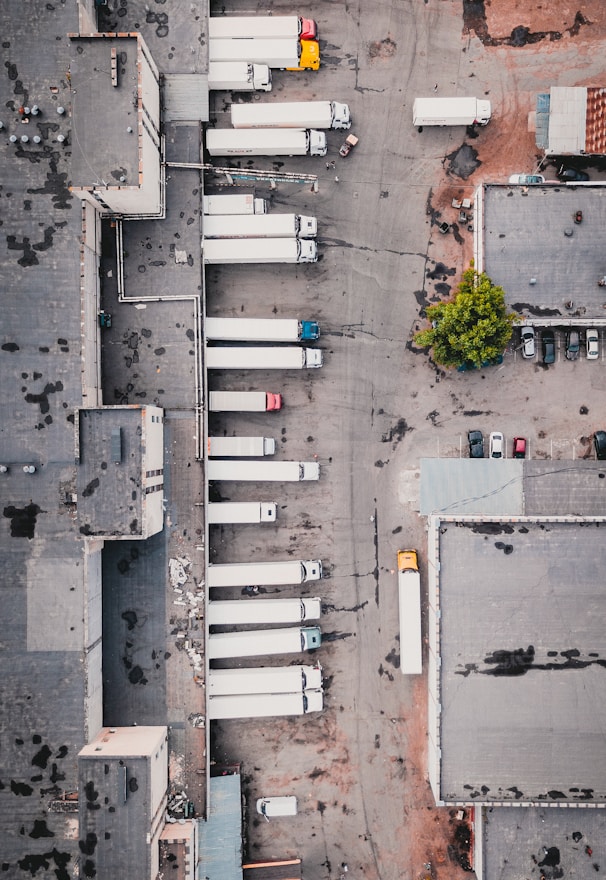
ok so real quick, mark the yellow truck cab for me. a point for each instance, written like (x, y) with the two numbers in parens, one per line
(408, 560)
(309, 56)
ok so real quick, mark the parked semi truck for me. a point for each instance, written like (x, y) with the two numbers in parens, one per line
(236, 447)
(450, 111)
(239, 76)
(276, 357)
(292, 114)
(263, 226)
(243, 470)
(239, 612)
(262, 27)
(285, 53)
(265, 142)
(259, 250)
(264, 705)
(240, 512)
(244, 574)
(409, 596)
(233, 203)
(261, 329)
(244, 401)
(263, 642)
(264, 680)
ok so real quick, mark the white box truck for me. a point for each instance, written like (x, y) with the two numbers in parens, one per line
(261, 329)
(409, 600)
(276, 357)
(291, 114)
(244, 401)
(264, 680)
(265, 142)
(264, 705)
(271, 574)
(233, 203)
(261, 26)
(241, 512)
(263, 226)
(238, 447)
(253, 470)
(450, 111)
(263, 642)
(259, 250)
(238, 76)
(239, 612)
(284, 53)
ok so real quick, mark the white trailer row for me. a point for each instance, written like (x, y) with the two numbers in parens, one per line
(264, 705)
(284, 53)
(238, 447)
(263, 642)
(260, 226)
(244, 401)
(267, 27)
(242, 574)
(241, 512)
(251, 470)
(259, 250)
(233, 203)
(291, 114)
(265, 142)
(263, 358)
(264, 680)
(240, 612)
(238, 76)
(260, 329)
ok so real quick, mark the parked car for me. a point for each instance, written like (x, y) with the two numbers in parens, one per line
(469, 365)
(525, 179)
(528, 346)
(476, 444)
(592, 340)
(548, 343)
(277, 806)
(496, 445)
(599, 441)
(573, 345)
(572, 174)
(519, 447)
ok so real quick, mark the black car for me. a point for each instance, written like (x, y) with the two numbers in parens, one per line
(572, 174)
(476, 444)
(548, 343)
(573, 345)
(599, 441)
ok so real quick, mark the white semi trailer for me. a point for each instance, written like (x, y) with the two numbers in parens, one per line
(243, 574)
(252, 470)
(261, 329)
(264, 705)
(409, 600)
(233, 203)
(450, 111)
(259, 250)
(284, 53)
(244, 401)
(238, 76)
(239, 612)
(263, 226)
(264, 680)
(277, 357)
(238, 447)
(241, 512)
(263, 642)
(291, 114)
(261, 26)
(265, 142)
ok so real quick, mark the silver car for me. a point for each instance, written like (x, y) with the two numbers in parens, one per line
(528, 342)
(592, 340)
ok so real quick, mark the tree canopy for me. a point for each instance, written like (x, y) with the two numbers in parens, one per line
(473, 327)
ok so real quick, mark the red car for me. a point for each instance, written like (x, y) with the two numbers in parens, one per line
(519, 447)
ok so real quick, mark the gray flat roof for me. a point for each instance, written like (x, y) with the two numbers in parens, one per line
(525, 237)
(515, 843)
(523, 651)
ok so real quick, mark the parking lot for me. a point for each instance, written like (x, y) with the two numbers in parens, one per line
(376, 408)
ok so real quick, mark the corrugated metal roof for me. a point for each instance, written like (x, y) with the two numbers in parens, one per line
(567, 120)
(185, 97)
(595, 139)
(220, 838)
(466, 486)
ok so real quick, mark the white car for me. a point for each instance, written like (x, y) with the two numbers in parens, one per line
(525, 179)
(496, 445)
(528, 346)
(593, 345)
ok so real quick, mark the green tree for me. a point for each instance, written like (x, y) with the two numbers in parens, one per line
(471, 328)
